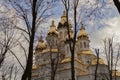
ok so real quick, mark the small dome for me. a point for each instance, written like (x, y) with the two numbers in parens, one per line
(82, 33)
(41, 45)
(94, 62)
(52, 29)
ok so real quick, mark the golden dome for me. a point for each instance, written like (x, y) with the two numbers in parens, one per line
(94, 62)
(41, 45)
(52, 29)
(82, 32)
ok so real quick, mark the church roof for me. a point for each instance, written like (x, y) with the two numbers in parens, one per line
(63, 21)
(82, 33)
(41, 45)
(52, 29)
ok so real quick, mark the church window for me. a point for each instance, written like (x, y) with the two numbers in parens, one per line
(84, 44)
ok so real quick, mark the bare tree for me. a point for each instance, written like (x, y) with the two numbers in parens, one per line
(72, 41)
(112, 57)
(33, 13)
(7, 40)
(108, 46)
(10, 72)
(117, 58)
(54, 60)
(97, 64)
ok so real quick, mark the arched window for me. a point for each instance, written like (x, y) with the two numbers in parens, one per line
(84, 44)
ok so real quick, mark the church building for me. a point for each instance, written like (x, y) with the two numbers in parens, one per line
(55, 50)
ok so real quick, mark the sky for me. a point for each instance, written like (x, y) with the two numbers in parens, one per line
(104, 26)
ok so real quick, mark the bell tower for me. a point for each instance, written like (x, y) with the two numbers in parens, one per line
(52, 36)
(83, 39)
(62, 27)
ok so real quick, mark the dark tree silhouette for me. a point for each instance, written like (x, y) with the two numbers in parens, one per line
(117, 4)
(97, 53)
(72, 41)
(32, 14)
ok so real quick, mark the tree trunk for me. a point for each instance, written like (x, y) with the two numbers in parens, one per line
(27, 72)
(97, 53)
(72, 65)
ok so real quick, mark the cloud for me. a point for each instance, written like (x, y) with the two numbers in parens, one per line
(111, 29)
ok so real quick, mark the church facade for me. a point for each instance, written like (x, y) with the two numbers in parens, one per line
(55, 53)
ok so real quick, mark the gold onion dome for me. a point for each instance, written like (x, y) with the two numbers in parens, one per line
(82, 33)
(52, 29)
(100, 61)
(63, 19)
(41, 45)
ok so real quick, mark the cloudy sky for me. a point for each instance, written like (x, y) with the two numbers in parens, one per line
(104, 25)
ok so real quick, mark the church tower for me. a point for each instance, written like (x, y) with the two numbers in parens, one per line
(52, 36)
(62, 27)
(83, 39)
(83, 50)
(56, 50)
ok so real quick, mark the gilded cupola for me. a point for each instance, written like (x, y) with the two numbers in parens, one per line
(82, 34)
(63, 21)
(53, 30)
(41, 45)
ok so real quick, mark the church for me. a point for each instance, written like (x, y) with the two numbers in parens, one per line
(55, 50)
